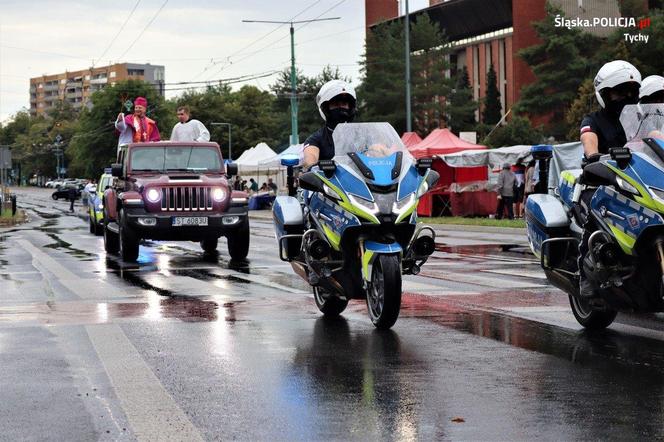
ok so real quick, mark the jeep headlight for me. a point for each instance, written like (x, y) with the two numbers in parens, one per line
(218, 194)
(153, 195)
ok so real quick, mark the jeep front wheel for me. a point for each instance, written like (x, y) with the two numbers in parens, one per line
(238, 241)
(209, 245)
(111, 243)
(128, 241)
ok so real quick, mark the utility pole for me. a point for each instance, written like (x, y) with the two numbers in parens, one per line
(295, 138)
(229, 135)
(407, 34)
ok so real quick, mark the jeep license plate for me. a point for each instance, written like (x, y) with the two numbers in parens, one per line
(190, 221)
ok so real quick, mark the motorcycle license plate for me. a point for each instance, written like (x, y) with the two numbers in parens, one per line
(190, 221)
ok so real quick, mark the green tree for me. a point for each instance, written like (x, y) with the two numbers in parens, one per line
(562, 60)
(309, 119)
(429, 82)
(94, 146)
(492, 112)
(462, 106)
(382, 92)
(584, 104)
(517, 131)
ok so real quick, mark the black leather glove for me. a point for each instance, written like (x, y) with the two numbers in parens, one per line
(590, 159)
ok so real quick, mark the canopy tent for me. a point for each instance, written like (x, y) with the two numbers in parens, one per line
(441, 142)
(410, 139)
(250, 159)
(565, 157)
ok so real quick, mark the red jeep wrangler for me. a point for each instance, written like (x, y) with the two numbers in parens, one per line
(173, 191)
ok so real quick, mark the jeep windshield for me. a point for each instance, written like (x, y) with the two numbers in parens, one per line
(175, 158)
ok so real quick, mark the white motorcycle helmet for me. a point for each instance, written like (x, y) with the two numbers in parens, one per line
(332, 89)
(652, 90)
(613, 74)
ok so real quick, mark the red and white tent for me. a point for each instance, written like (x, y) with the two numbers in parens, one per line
(444, 142)
(410, 139)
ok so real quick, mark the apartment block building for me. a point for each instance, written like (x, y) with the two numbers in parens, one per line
(77, 87)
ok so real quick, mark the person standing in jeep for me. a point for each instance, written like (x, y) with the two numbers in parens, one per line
(137, 127)
(189, 129)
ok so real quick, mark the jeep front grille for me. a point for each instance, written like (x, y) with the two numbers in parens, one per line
(186, 198)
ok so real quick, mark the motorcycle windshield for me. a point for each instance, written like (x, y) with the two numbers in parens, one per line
(645, 121)
(376, 146)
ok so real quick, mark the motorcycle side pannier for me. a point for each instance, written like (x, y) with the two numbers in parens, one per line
(288, 225)
(546, 218)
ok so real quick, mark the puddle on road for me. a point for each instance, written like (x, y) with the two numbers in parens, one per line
(581, 347)
(485, 249)
(66, 247)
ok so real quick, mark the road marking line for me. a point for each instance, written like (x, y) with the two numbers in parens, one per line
(83, 287)
(538, 274)
(151, 411)
(475, 279)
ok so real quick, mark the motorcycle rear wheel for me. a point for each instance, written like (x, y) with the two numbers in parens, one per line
(590, 318)
(384, 294)
(329, 304)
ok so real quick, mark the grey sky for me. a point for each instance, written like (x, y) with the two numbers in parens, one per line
(192, 39)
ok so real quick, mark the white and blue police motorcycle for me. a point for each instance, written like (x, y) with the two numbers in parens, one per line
(625, 257)
(354, 231)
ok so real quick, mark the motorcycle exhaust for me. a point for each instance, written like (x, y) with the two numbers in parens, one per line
(318, 249)
(423, 246)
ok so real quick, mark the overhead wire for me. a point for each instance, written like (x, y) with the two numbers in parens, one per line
(238, 52)
(94, 62)
(284, 37)
(154, 17)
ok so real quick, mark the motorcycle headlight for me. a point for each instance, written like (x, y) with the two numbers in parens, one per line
(369, 206)
(624, 185)
(330, 192)
(218, 194)
(405, 203)
(153, 195)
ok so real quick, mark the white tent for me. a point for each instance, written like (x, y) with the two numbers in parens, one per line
(565, 156)
(250, 160)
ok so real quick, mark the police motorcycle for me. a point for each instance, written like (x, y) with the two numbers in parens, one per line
(625, 258)
(355, 232)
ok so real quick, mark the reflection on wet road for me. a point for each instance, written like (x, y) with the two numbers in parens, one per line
(484, 349)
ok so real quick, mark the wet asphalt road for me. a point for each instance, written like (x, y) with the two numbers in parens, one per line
(186, 347)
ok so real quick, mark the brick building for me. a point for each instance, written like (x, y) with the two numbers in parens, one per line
(77, 87)
(485, 32)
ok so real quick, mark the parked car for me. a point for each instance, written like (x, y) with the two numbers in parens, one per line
(63, 192)
(96, 203)
(174, 191)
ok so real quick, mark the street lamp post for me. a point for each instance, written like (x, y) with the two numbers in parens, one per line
(229, 135)
(407, 55)
(295, 138)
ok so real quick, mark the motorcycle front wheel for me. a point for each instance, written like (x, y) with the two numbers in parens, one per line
(590, 318)
(384, 294)
(329, 304)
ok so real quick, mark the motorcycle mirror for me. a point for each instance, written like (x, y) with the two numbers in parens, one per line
(432, 178)
(231, 169)
(423, 164)
(621, 155)
(116, 170)
(328, 166)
